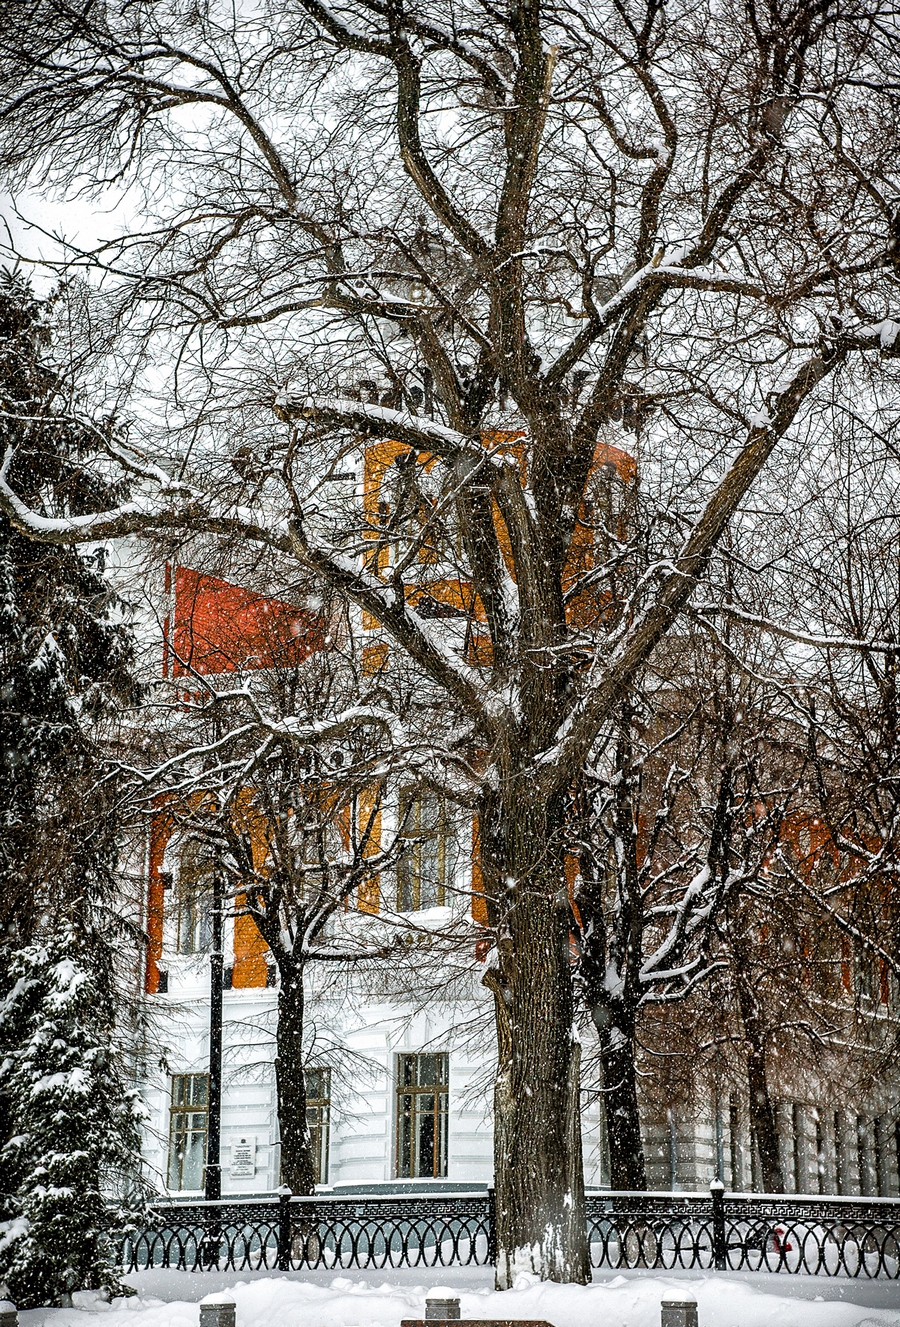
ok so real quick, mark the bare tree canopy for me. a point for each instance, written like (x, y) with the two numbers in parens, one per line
(491, 240)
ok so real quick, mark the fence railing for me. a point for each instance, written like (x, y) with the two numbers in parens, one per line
(855, 1237)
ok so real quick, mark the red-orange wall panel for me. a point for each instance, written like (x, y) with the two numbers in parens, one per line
(220, 628)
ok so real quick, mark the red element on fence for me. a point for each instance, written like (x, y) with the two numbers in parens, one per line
(781, 1244)
(222, 628)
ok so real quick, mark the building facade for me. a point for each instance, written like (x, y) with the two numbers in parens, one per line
(399, 1087)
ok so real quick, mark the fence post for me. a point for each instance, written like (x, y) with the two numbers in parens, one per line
(284, 1229)
(717, 1193)
(492, 1226)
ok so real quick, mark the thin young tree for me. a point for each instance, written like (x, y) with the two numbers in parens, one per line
(489, 238)
(292, 852)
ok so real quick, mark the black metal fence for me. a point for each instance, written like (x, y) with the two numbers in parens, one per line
(746, 1232)
(856, 1237)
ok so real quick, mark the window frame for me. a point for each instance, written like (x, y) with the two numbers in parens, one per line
(194, 904)
(319, 1126)
(407, 1164)
(186, 1109)
(411, 877)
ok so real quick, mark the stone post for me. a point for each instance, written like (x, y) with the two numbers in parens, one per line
(441, 1304)
(679, 1313)
(217, 1310)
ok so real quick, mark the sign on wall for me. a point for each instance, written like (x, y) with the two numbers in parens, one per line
(243, 1158)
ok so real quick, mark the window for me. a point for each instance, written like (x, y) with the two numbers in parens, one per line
(866, 975)
(188, 1124)
(317, 846)
(426, 867)
(318, 1112)
(604, 505)
(422, 1099)
(310, 859)
(194, 899)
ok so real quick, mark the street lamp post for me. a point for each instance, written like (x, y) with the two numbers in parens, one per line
(213, 1184)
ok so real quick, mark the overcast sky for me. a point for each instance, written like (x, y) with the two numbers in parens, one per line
(30, 221)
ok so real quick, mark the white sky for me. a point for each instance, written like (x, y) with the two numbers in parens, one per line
(27, 215)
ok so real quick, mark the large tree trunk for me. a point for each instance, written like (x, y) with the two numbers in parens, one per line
(763, 1123)
(616, 1028)
(538, 1170)
(297, 1165)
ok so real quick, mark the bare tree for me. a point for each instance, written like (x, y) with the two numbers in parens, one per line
(851, 718)
(521, 229)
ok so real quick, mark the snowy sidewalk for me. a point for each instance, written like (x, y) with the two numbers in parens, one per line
(170, 1299)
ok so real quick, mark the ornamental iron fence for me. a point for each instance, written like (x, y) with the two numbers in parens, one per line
(827, 1236)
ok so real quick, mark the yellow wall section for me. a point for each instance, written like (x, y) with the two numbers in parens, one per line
(479, 902)
(591, 603)
(369, 824)
(250, 949)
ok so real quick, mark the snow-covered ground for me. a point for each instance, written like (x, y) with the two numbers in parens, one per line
(359, 1299)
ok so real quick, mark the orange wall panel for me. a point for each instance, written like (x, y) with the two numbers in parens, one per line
(160, 833)
(250, 966)
(221, 628)
(479, 902)
(369, 813)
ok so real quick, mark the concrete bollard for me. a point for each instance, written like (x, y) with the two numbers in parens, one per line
(215, 1310)
(441, 1305)
(9, 1314)
(679, 1313)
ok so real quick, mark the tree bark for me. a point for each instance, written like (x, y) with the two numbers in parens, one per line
(611, 910)
(763, 1123)
(623, 1122)
(538, 1168)
(297, 1164)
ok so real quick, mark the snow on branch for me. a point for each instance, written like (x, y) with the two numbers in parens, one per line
(611, 674)
(801, 637)
(128, 518)
(173, 507)
(379, 421)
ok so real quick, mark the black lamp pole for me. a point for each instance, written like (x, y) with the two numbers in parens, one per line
(213, 1186)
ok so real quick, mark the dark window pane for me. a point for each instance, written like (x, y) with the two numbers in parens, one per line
(194, 899)
(429, 856)
(318, 1118)
(188, 1125)
(422, 1115)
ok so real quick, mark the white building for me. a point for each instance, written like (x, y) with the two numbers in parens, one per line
(399, 1087)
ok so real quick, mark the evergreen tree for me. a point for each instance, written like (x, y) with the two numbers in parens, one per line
(68, 1133)
(62, 654)
(77, 1133)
